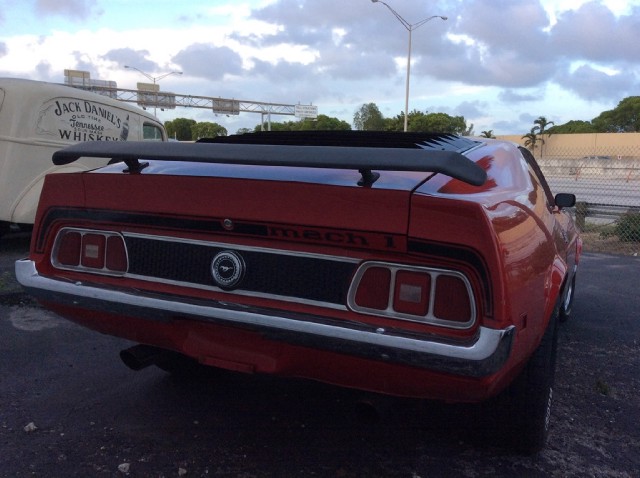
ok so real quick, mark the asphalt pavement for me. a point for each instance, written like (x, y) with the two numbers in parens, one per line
(69, 407)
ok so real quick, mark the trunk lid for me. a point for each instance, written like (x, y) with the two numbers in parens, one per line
(313, 205)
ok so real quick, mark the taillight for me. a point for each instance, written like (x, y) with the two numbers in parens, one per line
(452, 299)
(100, 252)
(422, 294)
(68, 246)
(374, 290)
(412, 292)
(116, 254)
(93, 251)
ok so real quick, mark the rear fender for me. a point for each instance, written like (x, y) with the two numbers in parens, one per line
(556, 281)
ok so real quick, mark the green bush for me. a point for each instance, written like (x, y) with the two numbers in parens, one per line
(610, 230)
(628, 228)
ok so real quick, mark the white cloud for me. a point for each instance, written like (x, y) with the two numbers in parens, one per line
(496, 60)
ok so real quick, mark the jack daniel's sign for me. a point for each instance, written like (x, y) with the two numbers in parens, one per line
(71, 119)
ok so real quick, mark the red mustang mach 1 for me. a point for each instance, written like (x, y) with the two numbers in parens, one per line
(411, 264)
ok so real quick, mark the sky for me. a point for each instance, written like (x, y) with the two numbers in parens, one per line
(500, 64)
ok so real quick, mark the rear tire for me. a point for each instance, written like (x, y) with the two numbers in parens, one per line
(567, 303)
(528, 401)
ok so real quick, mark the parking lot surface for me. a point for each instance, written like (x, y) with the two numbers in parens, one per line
(69, 407)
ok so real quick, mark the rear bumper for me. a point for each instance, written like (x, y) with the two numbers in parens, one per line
(480, 356)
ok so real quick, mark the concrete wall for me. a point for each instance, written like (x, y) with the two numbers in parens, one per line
(617, 145)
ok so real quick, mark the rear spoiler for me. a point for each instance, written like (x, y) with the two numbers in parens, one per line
(363, 159)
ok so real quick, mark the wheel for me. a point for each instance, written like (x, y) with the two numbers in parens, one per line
(528, 401)
(567, 303)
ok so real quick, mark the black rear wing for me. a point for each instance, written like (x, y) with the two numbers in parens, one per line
(363, 159)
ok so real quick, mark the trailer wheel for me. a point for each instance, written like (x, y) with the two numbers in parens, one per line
(4, 228)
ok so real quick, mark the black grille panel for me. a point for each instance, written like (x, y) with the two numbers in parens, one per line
(308, 278)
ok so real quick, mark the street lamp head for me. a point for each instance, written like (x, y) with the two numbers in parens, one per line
(444, 18)
(410, 27)
(152, 78)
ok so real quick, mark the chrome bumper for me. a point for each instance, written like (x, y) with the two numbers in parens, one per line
(483, 355)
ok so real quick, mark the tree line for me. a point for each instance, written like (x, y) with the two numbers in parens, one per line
(624, 118)
(367, 118)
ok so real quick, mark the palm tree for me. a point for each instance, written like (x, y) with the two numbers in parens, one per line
(540, 126)
(487, 134)
(531, 140)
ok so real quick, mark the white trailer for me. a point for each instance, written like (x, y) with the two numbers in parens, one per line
(37, 119)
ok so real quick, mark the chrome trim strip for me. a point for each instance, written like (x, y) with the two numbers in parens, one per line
(236, 247)
(484, 355)
(240, 292)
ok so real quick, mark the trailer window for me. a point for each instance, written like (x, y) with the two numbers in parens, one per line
(151, 132)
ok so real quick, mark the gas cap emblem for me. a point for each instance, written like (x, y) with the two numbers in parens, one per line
(227, 269)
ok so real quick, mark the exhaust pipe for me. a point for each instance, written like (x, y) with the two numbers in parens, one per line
(141, 356)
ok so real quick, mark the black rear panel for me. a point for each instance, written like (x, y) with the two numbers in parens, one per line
(275, 274)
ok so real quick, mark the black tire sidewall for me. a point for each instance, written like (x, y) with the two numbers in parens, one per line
(529, 399)
(567, 305)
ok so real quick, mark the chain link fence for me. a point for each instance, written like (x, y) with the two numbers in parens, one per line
(607, 189)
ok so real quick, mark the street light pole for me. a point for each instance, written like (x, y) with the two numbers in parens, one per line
(410, 27)
(153, 79)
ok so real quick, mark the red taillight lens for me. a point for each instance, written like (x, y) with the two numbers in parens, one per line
(116, 255)
(68, 252)
(452, 299)
(412, 291)
(373, 289)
